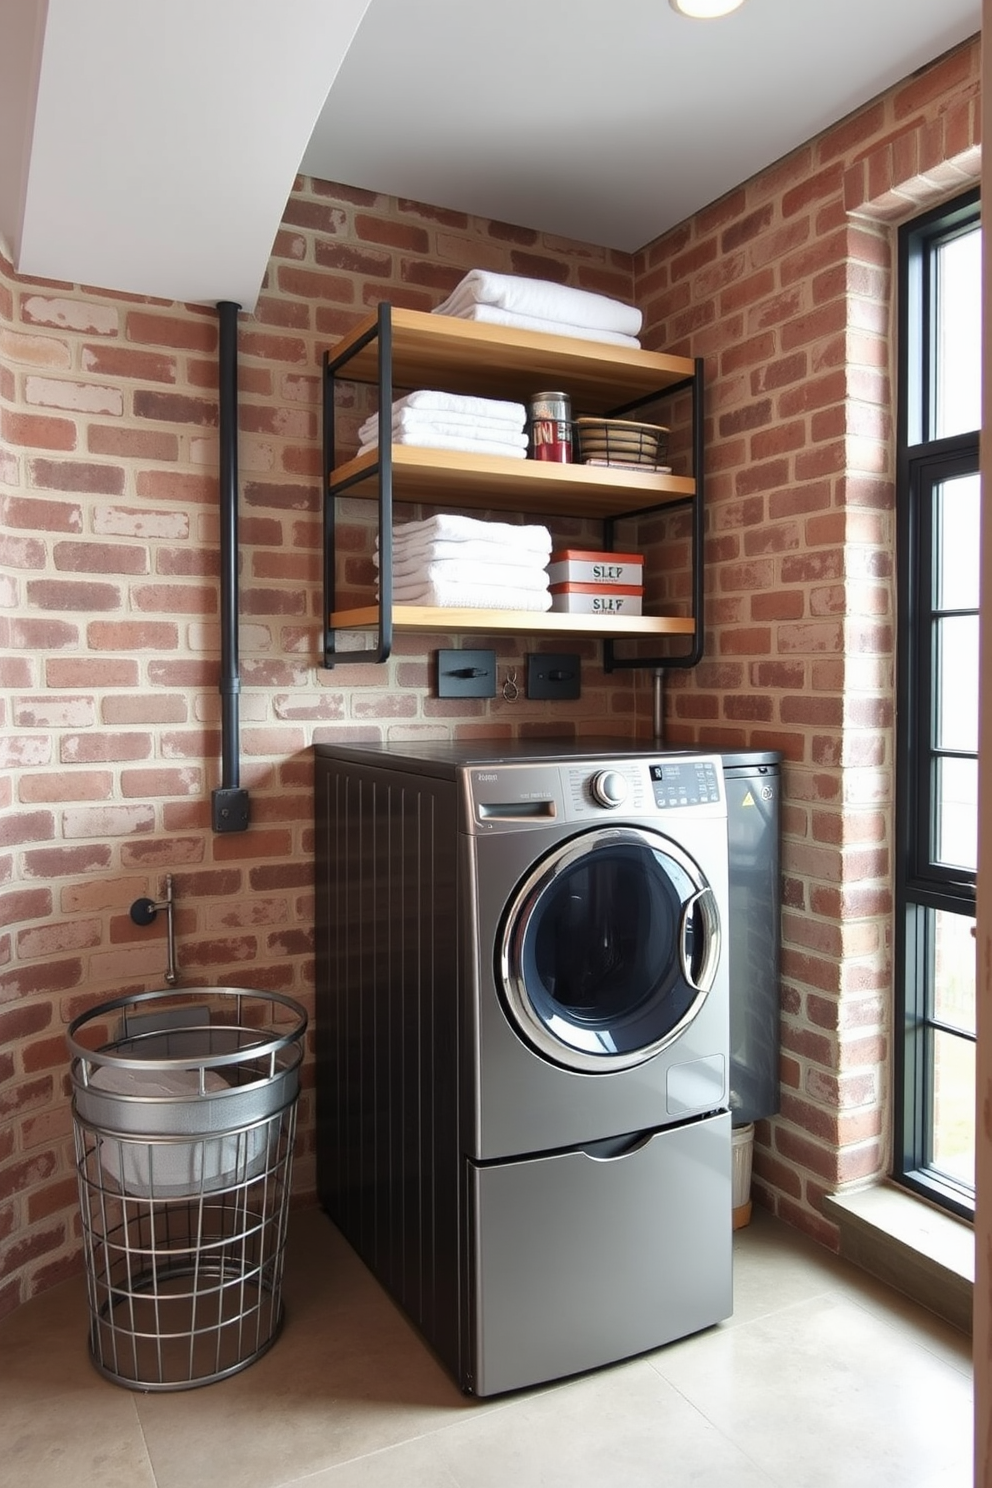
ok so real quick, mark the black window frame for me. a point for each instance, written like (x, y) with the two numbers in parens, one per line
(922, 885)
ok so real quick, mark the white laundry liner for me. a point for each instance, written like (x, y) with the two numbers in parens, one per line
(169, 1168)
(181, 1110)
(742, 1151)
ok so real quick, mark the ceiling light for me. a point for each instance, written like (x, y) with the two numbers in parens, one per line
(705, 10)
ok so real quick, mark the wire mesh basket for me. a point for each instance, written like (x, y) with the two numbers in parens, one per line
(621, 442)
(184, 1119)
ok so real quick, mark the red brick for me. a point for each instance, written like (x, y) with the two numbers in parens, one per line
(37, 431)
(119, 361)
(102, 439)
(88, 557)
(537, 266)
(174, 408)
(77, 475)
(176, 485)
(350, 258)
(66, 862)
(745, 228)
(684, 265)
(272, 348)
(68, 595)
(85, 671)
(948, 76)
(312, 284)
(132, 635)
(756, 289)
(37, 515)
(193, 334)
(292, 314)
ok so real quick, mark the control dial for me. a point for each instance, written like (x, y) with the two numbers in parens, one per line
(608, 788)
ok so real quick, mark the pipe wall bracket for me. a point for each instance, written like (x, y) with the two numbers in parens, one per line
(230, 809)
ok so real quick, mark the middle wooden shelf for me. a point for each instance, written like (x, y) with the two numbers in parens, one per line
(491, 482)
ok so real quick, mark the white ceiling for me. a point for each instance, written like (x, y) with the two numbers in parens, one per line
(608, 123)
(151, 147)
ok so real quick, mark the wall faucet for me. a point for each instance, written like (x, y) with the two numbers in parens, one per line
(144, 911)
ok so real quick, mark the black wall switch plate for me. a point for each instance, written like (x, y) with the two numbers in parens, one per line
(462, 674)
(554, 675)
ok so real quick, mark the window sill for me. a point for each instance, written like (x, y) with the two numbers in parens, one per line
(911, 1245)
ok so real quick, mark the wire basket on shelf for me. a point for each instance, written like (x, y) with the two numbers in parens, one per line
(184, 1121)
(621, 442)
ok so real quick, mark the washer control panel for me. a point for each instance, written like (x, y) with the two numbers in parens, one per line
(507, 795)
(685, 782)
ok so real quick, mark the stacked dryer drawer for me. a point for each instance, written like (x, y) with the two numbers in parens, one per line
(523, 1046)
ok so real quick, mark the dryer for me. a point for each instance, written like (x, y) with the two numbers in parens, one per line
(522, 1028)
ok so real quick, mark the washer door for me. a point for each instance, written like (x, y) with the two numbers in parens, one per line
(608, 949)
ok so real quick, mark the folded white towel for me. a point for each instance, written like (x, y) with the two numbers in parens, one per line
(540, 298)
(405, 417)
(454, 571)
(436, 401)
(426, 439)
(410, 557)
(409, 428)
(493, 315)
(453, 527)
(450, 595)
(412, 420)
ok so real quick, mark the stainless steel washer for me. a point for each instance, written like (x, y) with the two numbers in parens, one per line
(523, 1044)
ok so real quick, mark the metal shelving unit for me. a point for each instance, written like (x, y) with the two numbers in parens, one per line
(405, 349)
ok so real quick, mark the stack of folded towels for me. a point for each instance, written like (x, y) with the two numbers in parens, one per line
(537, 305)
(458, 562)
(438, 420)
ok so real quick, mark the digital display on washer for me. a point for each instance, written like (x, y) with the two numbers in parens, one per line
(684, 782)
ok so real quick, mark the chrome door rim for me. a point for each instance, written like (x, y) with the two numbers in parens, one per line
(517, 919)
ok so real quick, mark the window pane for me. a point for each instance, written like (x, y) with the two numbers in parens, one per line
(954, 970)
(956, 815)
(939, 498)
(954, 1107)
(957, 353)
(956, 508)
(956, 724)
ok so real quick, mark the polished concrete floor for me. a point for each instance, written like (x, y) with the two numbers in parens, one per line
(822, 1379)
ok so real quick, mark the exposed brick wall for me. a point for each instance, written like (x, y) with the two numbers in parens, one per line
(785, 286)
(109, 646)
(109, 631)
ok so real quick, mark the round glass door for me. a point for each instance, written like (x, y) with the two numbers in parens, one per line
(608, 949)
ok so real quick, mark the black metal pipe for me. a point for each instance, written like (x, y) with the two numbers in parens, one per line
(230, 803)
(230, 681)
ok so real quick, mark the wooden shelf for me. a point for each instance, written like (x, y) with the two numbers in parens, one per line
(461, 356)
(525, 622)
(451, 478)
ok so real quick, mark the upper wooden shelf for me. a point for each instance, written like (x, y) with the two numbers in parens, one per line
(462, 356)
(486, 482)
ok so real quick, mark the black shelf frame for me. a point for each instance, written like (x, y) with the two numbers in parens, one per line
(611, 661)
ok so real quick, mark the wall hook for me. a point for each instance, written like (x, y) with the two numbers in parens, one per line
(144, 912)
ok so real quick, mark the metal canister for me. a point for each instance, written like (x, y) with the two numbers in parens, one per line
(549, 427)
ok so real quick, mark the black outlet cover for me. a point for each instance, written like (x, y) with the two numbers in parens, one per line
(462, 674)
(554, 674)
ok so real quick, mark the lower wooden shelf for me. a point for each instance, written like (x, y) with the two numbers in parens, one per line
(523, 622)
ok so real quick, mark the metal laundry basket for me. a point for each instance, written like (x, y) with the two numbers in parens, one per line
(184, 1119)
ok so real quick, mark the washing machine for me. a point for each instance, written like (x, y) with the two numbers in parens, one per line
(522, 1027)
